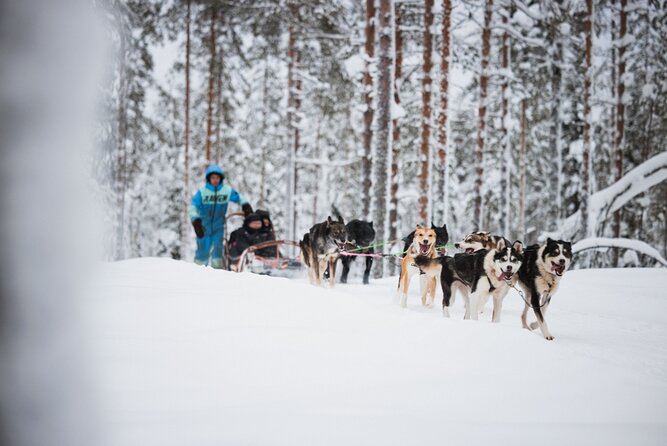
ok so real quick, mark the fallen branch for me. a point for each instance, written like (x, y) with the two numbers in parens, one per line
(624, 243)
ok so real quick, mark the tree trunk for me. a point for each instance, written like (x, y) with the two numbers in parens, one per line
(425, 152)
(442, 189)
(219, 110)
(368, 113)
(319, 178)
(291, 162)
(506, 163)
(383, 121)
(481, 124)
(120, 160)
(556, 61)
(186, 189)
(396, 136)
(264, 148)
(296, 131)
(294, 103)
(521, 233)
(211, 87)
(620, 117)
(585, 159)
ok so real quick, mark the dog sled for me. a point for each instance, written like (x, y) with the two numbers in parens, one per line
(272, 257)
(280, 265)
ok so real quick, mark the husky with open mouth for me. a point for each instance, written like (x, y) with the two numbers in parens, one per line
(423, 246)
(483, 274)
(539, 276)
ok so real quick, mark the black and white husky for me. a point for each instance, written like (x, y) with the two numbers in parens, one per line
(483, 274)
(539, 276)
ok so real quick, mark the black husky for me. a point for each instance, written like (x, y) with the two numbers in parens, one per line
(320, 246)
(541, 270)
(362, 234)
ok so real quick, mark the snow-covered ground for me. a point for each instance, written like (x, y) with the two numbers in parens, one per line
(187, 355)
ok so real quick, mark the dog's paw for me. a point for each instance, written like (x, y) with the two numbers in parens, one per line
(549, 338)
(533, 326)
(445, 312)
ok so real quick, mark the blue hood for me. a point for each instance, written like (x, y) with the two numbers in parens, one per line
(214, 168)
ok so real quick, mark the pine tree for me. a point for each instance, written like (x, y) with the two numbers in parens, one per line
(481, 123)
(368, 99)
(620, 116)
(425, 152)
(383, 119)
(442, 171)
(585, 161)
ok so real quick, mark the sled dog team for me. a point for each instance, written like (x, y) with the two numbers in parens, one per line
(488, 266)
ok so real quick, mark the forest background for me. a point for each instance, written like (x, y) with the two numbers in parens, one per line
(523, 118)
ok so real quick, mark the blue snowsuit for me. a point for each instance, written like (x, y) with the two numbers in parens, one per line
(210, 204)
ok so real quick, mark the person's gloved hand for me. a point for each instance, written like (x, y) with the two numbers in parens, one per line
(199, 228)
(247, 209)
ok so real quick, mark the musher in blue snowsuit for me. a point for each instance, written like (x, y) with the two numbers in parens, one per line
(207, 214)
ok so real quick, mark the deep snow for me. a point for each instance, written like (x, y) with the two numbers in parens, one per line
(189, 355)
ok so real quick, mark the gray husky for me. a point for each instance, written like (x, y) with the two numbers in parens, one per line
(320, 247)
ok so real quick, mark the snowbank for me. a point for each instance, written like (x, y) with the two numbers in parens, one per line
(189, 355)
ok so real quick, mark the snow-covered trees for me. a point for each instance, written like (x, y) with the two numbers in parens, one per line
(288, 97)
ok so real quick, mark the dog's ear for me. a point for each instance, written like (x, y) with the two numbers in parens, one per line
(329, 221)
(433, 226)
(501, 244)
(340, 219)
(370, 223)
(549, 240)
(517, 246)
(419, 227)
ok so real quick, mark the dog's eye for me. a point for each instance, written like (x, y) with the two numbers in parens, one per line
(504, 259)
(556, 252)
